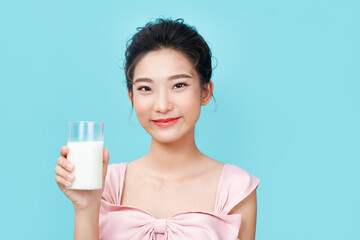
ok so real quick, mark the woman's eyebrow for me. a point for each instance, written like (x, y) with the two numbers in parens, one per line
(173, 77)
(143, 80)
(177, 76)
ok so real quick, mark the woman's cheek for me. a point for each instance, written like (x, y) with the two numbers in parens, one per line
(192, 109)
(142, 108)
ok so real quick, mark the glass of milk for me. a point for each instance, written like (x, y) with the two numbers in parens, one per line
(85, 144)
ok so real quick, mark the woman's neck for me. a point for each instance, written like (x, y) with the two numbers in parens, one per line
(171, 160)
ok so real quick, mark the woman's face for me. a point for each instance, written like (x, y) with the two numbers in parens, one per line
(167, 96)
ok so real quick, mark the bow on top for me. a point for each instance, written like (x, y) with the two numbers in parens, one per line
(126, 222)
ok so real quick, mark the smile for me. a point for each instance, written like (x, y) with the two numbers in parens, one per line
(165, 122)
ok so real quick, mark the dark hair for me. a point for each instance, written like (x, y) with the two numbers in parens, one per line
(167, 33)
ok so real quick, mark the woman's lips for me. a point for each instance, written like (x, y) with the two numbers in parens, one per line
(165, 122)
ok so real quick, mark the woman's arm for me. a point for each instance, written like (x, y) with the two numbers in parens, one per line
(87, 224)
(248, 209)
(86, 203)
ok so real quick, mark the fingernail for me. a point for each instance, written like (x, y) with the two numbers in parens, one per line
(69, 166)
(68, 183)
(69, 177)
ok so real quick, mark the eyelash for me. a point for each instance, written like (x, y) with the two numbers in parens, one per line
(147, 89)
(184, 84)
(141, 88)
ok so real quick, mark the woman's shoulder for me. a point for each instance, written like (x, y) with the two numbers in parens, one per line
(235, 171)
(232, 177)
(210, 164)
(231, 172)
(235, 185)
(238, 178)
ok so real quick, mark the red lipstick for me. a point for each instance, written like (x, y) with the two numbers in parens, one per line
(165, 122)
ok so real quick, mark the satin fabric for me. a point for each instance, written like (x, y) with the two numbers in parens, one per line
(123, 222)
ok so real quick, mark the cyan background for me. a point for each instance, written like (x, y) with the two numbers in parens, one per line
(287, 104)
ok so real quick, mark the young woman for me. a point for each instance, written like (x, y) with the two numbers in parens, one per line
(174, 191)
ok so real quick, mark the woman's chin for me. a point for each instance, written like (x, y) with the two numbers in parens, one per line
(172, 136)
(169, 137)
(166, 139)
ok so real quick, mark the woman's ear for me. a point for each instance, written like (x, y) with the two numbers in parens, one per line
(130, 95)
(207, 92)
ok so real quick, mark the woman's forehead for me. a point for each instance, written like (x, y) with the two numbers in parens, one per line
(163, 63)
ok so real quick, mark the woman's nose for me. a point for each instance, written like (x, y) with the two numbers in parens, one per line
(163, 103)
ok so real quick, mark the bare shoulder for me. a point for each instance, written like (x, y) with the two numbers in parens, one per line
(136, 165)
(134, 172)
(211, 165)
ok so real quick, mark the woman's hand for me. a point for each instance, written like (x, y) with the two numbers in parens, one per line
(81, 199)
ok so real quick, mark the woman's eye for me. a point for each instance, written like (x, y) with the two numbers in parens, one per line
(180, 85)
(144, 88)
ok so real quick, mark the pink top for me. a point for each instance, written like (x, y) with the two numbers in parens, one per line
(123, 222)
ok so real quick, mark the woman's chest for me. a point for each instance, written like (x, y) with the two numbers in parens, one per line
(163, 200)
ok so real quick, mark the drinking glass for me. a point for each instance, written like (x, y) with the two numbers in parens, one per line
(85, 144)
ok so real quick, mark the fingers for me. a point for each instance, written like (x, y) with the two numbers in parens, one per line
(64, 150)
(62, 181)
(65, 163)
(63, 172)
(106, 155)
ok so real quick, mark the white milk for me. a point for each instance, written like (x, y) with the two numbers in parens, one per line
(87, 158)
